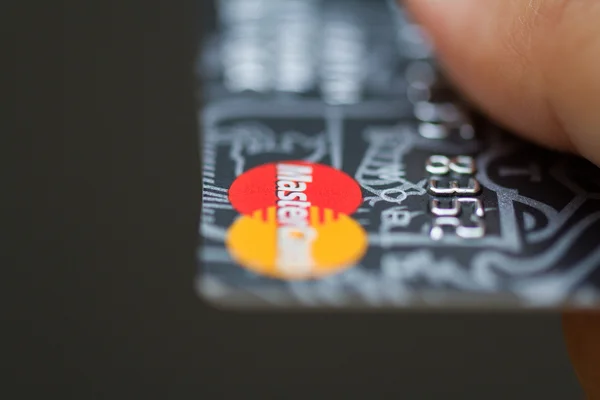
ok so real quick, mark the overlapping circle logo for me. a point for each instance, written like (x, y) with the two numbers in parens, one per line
(295, 221)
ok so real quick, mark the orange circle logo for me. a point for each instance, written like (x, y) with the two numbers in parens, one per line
(298, 228)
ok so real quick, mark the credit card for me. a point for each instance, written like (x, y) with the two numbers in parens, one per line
(341, 170)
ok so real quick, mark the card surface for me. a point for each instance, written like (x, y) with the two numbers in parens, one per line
(341, 170)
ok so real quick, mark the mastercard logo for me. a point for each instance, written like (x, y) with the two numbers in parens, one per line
(295, 221)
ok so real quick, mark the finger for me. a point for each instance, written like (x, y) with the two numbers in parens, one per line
(533, 65)
(582, 336)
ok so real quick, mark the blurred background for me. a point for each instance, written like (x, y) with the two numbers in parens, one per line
(102, 302)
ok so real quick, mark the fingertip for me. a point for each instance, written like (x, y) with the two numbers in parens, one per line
(490, 51)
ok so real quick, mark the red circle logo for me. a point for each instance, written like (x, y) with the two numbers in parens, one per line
(295, 183)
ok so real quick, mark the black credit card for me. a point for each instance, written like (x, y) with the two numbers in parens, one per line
(341, 170)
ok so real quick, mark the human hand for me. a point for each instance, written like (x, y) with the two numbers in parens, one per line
(582, 336)
(534, 66)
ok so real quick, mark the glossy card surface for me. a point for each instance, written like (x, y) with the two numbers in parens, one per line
(340, 170)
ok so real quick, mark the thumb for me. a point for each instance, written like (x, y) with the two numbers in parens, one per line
(532, 65)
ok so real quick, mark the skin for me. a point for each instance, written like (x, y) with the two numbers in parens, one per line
(533, 66)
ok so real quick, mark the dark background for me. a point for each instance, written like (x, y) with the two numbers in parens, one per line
(101, 241)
